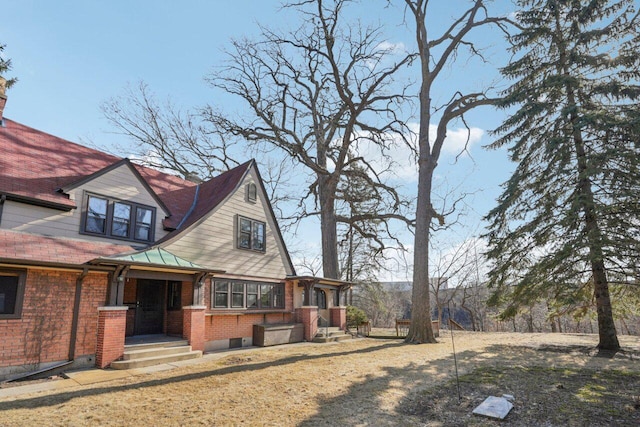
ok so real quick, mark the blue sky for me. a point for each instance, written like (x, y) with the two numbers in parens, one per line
(71, 56)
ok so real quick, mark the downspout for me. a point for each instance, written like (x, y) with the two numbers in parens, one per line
(198, 289)
(3, 198)
(76, 314)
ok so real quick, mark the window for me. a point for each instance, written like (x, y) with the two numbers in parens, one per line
(96, 215)
(118, 219)
(236, 294)
(174, 295)
(221, 297)
(252, 193)
(143, 223)
(11, 293)
(121, 219)
(251, 234)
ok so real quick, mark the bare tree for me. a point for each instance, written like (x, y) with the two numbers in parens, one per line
(434, 54)
(320, 94)
(167, 138)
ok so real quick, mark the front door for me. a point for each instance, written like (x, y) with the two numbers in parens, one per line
(149, 306)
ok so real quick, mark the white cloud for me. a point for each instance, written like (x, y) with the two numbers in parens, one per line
(402, 156)
(389, 47)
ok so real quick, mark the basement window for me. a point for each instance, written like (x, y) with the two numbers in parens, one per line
(11, 293)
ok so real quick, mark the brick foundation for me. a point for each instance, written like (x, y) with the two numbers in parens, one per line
(308, 316)
(193, 325)
(338, 317)
(112, 324)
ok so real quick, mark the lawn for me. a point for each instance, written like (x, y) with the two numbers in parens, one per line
(556, 379)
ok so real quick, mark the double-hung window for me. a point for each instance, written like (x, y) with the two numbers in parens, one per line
(118, 219)
(251, 234)
(243, 295)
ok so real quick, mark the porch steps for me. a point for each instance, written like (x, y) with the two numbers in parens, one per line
(150, 354)
(331, 334)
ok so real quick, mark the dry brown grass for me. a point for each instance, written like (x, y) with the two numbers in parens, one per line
(360, 382)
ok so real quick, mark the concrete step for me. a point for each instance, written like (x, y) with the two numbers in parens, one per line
(328, 332)
(155, 360)
(152, 345)
(157, 351)
(332, 338)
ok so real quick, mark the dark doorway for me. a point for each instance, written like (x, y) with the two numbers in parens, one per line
(149, 306)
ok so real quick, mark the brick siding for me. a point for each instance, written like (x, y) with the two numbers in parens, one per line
(43, 332)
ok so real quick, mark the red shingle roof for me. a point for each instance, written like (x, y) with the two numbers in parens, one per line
(35, 165)
(31, 247)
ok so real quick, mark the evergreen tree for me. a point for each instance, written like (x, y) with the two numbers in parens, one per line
(5, 65)
(569, 216)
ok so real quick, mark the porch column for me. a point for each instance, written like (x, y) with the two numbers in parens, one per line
(308, 316)
(112, 322)
(193, 326)
(339, 317)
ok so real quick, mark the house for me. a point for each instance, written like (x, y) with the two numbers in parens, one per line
(96, 251)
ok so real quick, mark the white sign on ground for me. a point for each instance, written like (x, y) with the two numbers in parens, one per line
(494, 407)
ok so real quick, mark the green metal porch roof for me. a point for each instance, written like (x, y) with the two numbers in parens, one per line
(153, 256)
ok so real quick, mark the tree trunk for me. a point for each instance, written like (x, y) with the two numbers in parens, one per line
(421, 330)
(608, 338)
(328, 228)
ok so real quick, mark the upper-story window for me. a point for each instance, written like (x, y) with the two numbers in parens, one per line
(118, 219)
(251, 234)
(252, 192)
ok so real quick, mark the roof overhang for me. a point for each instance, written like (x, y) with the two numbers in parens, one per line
(321, 281)
(154, 259)
(52, 265)
(39, 202)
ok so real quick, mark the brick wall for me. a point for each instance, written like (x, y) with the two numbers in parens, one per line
(110, 337)
(308, 316)
(42, 334)
(193, 326)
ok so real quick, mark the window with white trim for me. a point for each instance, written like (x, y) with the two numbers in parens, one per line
(118, 219)
(251, 234)
(247, 295)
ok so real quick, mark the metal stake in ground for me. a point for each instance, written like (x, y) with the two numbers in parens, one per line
(455, 359)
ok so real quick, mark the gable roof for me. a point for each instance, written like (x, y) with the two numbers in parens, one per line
(35, 166)
(210, 194)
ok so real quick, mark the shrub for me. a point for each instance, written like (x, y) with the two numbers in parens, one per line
(355, 316)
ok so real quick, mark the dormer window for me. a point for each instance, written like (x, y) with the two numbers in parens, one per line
(252, 192)
(118, 219)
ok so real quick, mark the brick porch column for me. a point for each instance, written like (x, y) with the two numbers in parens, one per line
(338, 317)
(308, 316)
(193, 326)
(112, 322)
